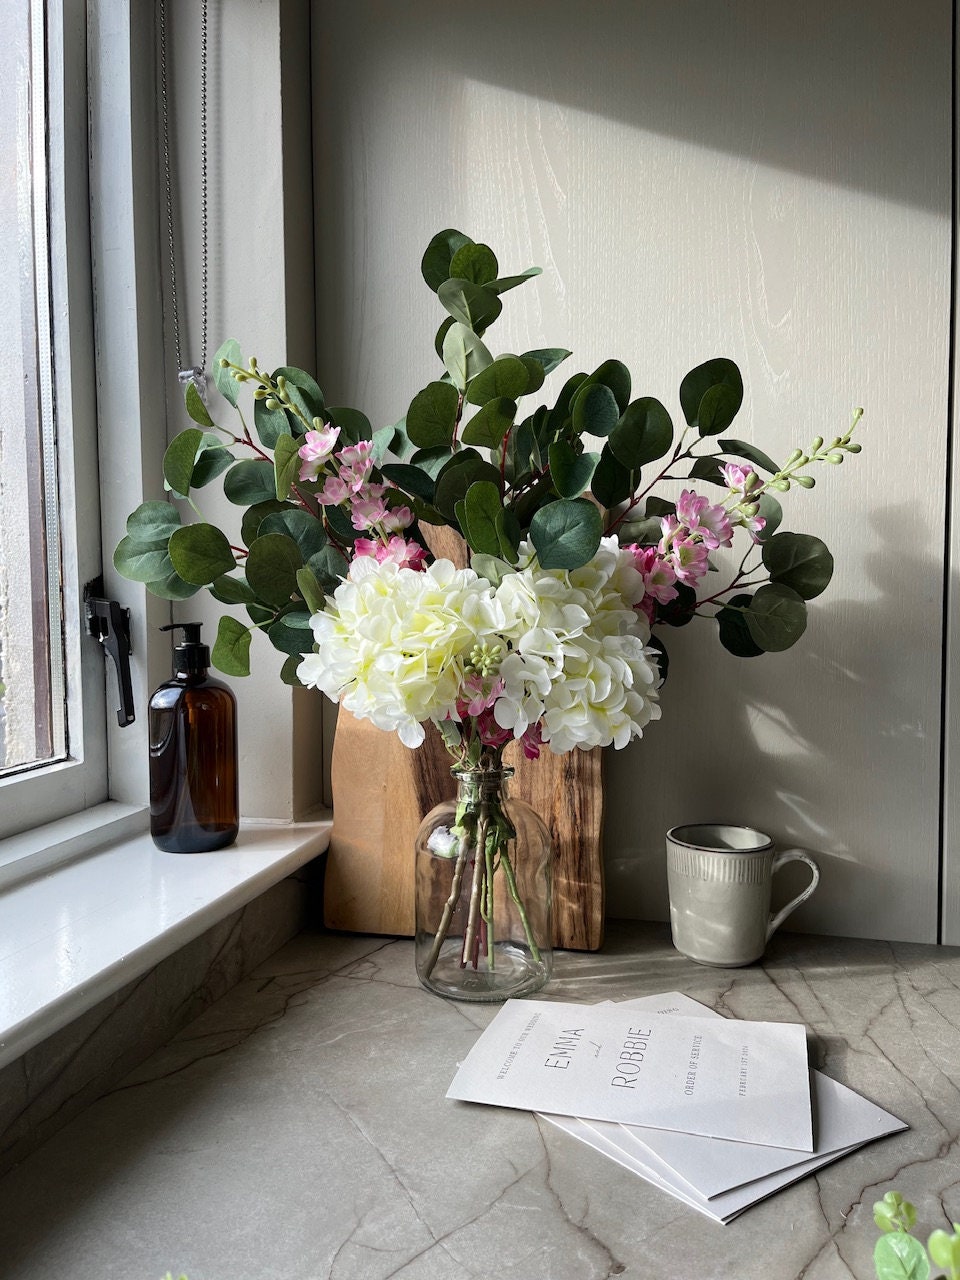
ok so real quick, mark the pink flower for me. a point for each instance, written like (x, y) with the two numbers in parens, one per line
(356, 463)
(532, 741)
(367, 507)
(754, 525)
(316, 448)
(334, 492)
(737, 477)
(699, 516)
(491, 734)
(397, 518)
(407, 555)
(689, 560)
(658, 574)
(478, 695)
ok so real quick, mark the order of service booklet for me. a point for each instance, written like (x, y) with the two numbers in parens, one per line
(745, 1081)
(719, 1178)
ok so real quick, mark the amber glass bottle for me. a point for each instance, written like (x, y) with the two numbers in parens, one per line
(193, 754)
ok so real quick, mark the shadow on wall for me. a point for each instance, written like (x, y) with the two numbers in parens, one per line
(775, 83)
(755, 753)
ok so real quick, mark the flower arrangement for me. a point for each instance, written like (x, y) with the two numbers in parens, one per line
(577, 551)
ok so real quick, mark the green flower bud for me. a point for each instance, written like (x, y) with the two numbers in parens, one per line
(252, 364)
(805, 482)
(273, 403)
(835, 458)
(260, 393)
(751, 482)
(239, 376)
(749, 509)
(853, 448)
(817, 445)
(782, 485)
(795, 456)
(224, 362)
(318, 424)
(281, 383)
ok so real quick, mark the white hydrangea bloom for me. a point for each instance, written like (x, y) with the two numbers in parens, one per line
(580, 663)
(391, 642)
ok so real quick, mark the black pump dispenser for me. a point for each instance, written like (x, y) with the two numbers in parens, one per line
(190, 655)
(193, 753)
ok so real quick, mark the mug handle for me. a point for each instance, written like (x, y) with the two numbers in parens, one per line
(780, 860)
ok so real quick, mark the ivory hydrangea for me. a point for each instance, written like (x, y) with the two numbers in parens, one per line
(399, 647)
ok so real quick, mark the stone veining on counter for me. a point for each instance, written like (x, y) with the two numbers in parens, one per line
(298, 1130)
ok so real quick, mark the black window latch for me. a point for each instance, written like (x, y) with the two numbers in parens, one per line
(110, 624)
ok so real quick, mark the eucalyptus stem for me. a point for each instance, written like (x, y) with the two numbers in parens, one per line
(521, 909)
(473, 914)
(443, 928)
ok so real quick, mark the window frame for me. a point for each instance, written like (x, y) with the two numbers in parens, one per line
(49, 791)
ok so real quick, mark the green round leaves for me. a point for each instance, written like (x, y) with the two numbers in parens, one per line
(798, 561)
(711, 395)
(566, 533)
(200, 553)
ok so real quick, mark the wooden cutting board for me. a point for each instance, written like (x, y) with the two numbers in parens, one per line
(382, 790)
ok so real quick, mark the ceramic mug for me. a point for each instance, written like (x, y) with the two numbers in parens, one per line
(719, 877)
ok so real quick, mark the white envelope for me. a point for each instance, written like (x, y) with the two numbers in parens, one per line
(745, 1081)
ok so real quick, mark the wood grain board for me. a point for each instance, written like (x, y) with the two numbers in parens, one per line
(381, 792)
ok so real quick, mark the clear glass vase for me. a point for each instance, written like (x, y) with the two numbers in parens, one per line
(483, 893)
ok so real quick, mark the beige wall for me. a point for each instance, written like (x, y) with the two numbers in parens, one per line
(763, 181)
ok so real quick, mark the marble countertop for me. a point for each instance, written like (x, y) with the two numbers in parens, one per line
(298, 1130)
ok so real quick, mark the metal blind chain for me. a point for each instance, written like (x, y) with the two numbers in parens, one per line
(186, 373)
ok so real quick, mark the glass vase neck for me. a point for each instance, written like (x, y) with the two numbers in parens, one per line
(488, 783)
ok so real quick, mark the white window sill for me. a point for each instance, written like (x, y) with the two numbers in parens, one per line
(73, 935)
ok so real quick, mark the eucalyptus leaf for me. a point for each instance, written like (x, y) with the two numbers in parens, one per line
(178, 460)
(511, 282)
(288, 672)
(571, 472)
(152, 523)
(535, 374)
(432, 416)
(614, 375)
(439, 254)
(696, 384)
(481, 507)
(140, 562)
(254, 516)
(431, 461)
(303, 392)
(231, 589)
(547, 357)
(777, 617)
(612, 482)
(490, 424)
(718, 408)
(707, 468)
(328, 567)
(772, 514)
(799, 561)
(305, 529)
(200, 553)
(223, 380)
(441, 334)
(643, 433)
(595, 409)
(681, 609)
(270, 424)
(509, 534)
(231, 649)
(470, 304)
(464, 355)
(286, 465)
(732, 625)
(566, 533)
(310, 589)
(750, 453)
(463, 470)
(271, 567)
(172, 587)
(492, 568)
(197, 410)
(291, 634)
(508, 376)
(412, 479)
(474, 262)
(210, 463)
(354, 425)
(250, 482)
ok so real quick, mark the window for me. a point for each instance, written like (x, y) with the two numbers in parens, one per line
(52, 740)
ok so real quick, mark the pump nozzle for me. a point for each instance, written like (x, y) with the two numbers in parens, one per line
(191, 655)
